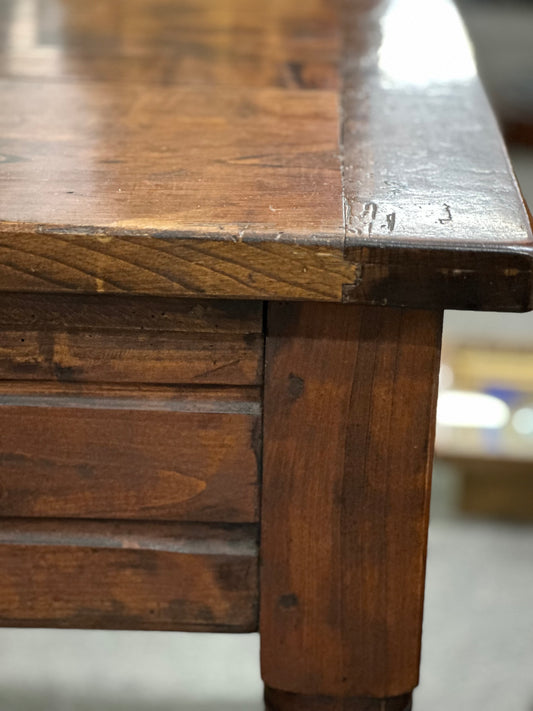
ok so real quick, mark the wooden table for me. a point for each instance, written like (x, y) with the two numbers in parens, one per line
(228, 233)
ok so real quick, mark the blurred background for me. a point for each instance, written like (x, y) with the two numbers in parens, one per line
(478, 631)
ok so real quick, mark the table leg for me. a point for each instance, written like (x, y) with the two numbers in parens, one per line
(350, 395)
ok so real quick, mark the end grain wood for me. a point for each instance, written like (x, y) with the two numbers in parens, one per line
(350, 397)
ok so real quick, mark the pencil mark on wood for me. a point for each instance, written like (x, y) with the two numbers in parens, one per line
(448, 218)
(368, 215)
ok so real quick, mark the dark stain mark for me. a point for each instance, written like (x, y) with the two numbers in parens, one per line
(12, 459)
(86, 471)
(183, 610)
(233, 576)
(250, 339)
(391, 221)
(257, 444)
(296, 386)
(66, 372)
(83, 614)
(288, 602)
(294, 72)
(24, 368)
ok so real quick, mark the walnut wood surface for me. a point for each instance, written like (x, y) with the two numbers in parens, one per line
(350, 396)
(285, 701)
(131, 356)
(128, 575)
(124, 339)
(129, 454)
(57, 312)
(169, 148)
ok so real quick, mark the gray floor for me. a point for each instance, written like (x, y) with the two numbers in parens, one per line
(477, 646)
(478, 627)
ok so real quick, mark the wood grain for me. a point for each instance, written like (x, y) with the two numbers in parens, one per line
(132, 356)
(193, 150)
(279, 44)
(172, 263)
(228, 161)
(440, 199)
(55, 312)
(130, 339)
(126, 453)
(350, 396)
(109, 575)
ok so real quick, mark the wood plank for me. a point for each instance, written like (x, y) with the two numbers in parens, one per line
(276, 700)
(233, 162)
(112, 575)
(194, 151)
(433, 212)
(55, 312)
(171, 263)
(126, 453)
(276, 44)
(245, 144)
(350, 395)
(132, 356)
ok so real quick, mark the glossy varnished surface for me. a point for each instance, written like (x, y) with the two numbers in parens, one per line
(321, 150)
(171, 116)
(428, 188)
(441, 174)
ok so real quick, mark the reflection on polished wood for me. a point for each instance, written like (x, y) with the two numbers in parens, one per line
(247, 149)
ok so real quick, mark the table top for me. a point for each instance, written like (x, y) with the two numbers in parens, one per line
(331, 150)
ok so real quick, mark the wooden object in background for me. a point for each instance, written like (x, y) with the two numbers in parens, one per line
(350, 395)
(497, 485)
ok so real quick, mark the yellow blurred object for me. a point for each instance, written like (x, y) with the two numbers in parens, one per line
(485, 428)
